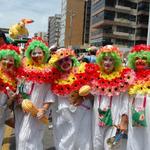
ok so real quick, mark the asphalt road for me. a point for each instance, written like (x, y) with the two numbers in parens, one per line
(47, 141)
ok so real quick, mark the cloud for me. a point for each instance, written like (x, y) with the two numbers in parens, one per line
(11, 11)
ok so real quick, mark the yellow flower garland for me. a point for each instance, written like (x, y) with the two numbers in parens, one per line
(71, 77)
(7, 79)
(111, 76)
(140, 87)
(30, 65)
(69, 80)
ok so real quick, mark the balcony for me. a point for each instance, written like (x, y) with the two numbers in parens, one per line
(126, 21)
(123, 34)
(120, 33)
(123, 7)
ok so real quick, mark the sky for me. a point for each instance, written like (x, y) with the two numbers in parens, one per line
(12, 11)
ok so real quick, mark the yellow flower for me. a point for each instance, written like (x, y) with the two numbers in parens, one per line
(147, 87)
(113, 75)
(81, 68)
(140, 87)
(69, 80)
(6, 79)
(30, 65)
(53, 59)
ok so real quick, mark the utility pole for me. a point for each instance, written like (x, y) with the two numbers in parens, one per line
(136, 22)
(148, 35)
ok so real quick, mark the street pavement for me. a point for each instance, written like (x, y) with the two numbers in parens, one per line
(9, 139)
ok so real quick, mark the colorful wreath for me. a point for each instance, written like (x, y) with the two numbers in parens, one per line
(37, 42)
(109, 50)
(112, 84)
(7, 80)
(10, 50)
(62, 53)
(79, 76)
(116, 82)
(139, 51)
(142, 83)
(37, 73)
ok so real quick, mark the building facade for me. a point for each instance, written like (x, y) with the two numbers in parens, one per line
(121, 22)
(72, 23)
(87, 18)
(54, 29)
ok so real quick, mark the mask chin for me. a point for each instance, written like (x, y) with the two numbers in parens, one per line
(108, 69)
(37, 60)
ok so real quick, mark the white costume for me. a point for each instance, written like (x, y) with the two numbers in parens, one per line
(31, 129)
(18, 121)
(3, 115)
(139, 137)
(119, 106)
(72, 125)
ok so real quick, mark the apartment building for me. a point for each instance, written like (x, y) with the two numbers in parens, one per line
(121, 22)
(73, 25)
(54, 29)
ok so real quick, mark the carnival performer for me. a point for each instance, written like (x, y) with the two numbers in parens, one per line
(71, 113)
(109, 86)
(139, 112)
(9, 62)
(35, 78)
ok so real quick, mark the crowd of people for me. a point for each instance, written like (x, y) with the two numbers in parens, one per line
(101, 104)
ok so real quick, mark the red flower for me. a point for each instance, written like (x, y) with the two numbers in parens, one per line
(141, 47)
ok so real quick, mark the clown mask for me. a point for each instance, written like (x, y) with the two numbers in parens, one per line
(7, 62)
(65, 64)
(108, 64)
(37, 56)
(141, 63)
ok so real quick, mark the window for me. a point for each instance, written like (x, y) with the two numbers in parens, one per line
(98, 5)
(126, 16)
(142, 32)
(143, 6)
(110, 3)
(98, 17)
(142, 19)
(125, 29)
(109, 15)
(127, 3)
(124, 42)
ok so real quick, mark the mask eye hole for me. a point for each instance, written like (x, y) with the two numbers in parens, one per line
(136, 58)
(144, 58)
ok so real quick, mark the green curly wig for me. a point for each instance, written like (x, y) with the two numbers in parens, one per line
(141, 54)
(39, 44)
(117, 59)
(7, 52)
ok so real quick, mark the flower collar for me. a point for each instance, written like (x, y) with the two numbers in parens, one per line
(79, 76)
(7, 81)
(112, 84)
(113, 75)
(36, 73)
(142, 83)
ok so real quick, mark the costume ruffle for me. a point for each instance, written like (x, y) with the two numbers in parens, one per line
(40, 74)
(78, 77)
(142, 83)
(114, 83)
